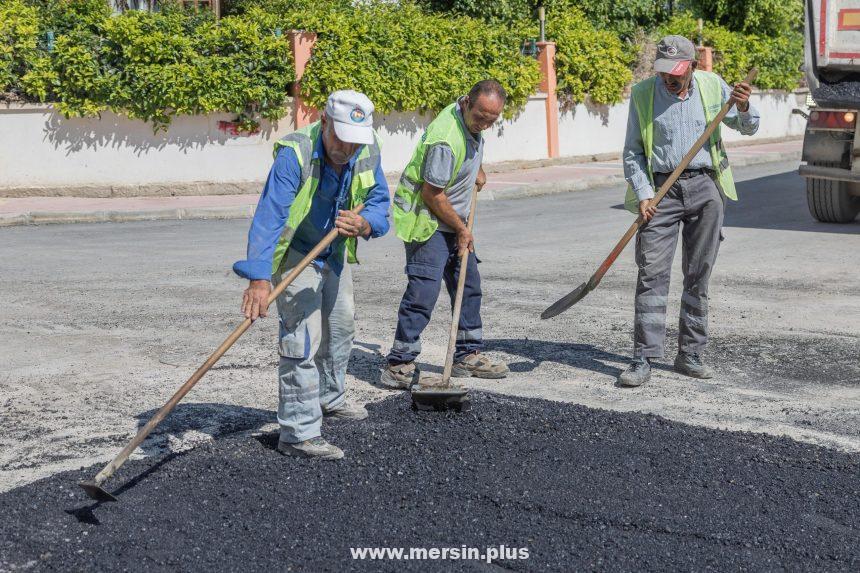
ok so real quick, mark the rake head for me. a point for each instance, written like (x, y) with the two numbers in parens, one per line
(431, 394)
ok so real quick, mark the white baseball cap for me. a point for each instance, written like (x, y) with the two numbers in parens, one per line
(351, 113)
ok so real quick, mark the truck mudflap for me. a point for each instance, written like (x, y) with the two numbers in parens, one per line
(827, 147)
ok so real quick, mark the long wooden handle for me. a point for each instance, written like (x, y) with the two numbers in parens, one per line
(120, 459)
(709, 130)
(458, 298)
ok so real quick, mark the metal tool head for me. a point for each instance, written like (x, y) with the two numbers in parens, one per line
(96, 492)
(567, 301)
(431, 394)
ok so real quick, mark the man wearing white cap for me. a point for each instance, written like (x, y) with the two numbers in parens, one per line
(668, 113)
(320, 172)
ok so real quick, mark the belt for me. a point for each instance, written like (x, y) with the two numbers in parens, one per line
(686, 173)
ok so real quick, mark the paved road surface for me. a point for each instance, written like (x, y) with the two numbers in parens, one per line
(579, 489)
(100, 323)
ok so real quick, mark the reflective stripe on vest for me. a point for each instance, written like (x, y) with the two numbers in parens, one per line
(413, 221)
(303, 142)
(711, 91)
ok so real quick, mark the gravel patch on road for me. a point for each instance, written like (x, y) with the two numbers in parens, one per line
(580, 488)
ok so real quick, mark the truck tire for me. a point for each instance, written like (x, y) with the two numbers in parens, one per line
(830, 202)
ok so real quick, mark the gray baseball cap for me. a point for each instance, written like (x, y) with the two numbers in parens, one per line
(674, 54)
(351, 113)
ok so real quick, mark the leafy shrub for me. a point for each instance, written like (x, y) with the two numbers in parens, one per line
(777, 58)
(153, 66)
(588, 61)
(403, 58)
(770, 18)
(19, 43)
(64, 16)
(621, 16)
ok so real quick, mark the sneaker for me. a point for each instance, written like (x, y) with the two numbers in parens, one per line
(348, 410)
(636, 374)
(398, 376)
(313, 448)
(480, 366)
(691, 364)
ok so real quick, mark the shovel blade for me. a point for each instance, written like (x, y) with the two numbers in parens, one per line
(566, 301)
(96, 492)
(430, 394)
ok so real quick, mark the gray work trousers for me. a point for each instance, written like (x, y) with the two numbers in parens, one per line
(697, 203)
(317, 314)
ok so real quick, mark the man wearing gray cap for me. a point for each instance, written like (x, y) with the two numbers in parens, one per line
(320, 172)
(668, 113)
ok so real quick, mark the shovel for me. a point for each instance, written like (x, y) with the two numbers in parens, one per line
(93, 487)
(431, 392)
(582, 290)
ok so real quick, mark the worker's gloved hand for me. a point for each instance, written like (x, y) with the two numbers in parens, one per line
(741, 94)
(351, 224)
(646, 211)
(256, 298)
(465, 240)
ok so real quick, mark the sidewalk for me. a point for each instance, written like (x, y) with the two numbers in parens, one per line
(559, 178)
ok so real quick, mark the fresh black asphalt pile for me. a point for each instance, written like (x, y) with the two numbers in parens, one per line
(843, 92)
(581, 489)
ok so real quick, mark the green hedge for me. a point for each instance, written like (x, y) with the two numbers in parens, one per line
(419, 60)
(403, 58)
(768, 18)
(19, 44)
(777, 58)
(621, 16)
(153, 66)
(589, 62)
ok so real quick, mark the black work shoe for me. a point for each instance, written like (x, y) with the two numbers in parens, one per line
(636, 374)
(691, 364)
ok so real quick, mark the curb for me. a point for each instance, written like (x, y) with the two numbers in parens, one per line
(190, 213)
(247, 211)
(556, 187)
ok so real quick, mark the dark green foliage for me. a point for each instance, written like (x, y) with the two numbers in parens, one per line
(777, 58)
(153, 66)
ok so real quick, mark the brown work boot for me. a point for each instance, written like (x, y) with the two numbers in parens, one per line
(314, 448)
(480, 366)
(398, 376)
(348, 410)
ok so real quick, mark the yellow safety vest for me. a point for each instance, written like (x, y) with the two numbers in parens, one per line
(711, 90)
(413, 221)
(303, 142)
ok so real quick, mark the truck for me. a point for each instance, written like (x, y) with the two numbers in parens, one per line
(831, 142)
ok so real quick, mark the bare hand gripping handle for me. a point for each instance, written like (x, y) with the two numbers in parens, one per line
(582, 290)
(93, 487)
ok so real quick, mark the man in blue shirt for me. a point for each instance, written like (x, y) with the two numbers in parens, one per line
(320, 172)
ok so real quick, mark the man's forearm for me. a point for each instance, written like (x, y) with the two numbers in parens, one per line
(438, 203)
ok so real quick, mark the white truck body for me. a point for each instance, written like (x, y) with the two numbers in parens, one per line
(833, 35)
(831, 144)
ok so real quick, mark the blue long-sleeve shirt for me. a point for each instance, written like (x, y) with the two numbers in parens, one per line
(332, 195)
(678, 123)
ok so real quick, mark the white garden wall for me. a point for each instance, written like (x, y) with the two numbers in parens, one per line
(42, 153)
(591, 130)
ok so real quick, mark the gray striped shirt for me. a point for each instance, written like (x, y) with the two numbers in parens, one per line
(678, 123)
